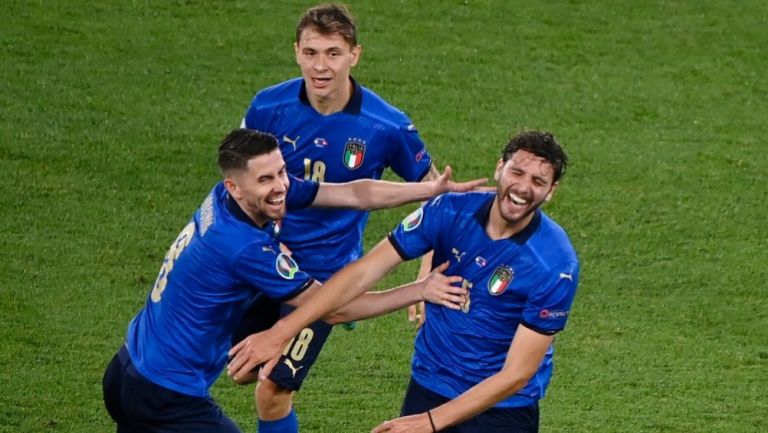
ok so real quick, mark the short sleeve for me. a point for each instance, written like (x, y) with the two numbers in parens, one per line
(266, 268)
(301, 193)
(417, 233)
(549, 306)
(408, 155)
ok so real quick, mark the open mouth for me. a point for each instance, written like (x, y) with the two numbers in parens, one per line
(320, 82)
(517, 199)
(276, 201)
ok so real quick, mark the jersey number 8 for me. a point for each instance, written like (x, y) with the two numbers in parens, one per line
(173, 253)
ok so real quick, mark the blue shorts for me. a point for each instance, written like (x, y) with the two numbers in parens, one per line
(494, 420)
(140, 406)
(300, 354)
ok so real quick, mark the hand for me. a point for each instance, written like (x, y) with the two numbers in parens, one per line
(444, 183)
(254, 350)
(417, 313)
(413, 423)
(439, 289)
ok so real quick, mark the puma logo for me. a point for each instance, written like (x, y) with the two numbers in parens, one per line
(566, 276)
(291, 142)
(290, 365)
(458, 254)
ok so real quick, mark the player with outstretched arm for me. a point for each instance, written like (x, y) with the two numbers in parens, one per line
(227, 254)
(482, 368)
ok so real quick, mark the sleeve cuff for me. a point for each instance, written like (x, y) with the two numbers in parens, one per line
(539, 330)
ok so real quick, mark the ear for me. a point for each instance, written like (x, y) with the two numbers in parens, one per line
(232, 188)
(357, 51)
(499, 166)
(296, 51)
(551, 192)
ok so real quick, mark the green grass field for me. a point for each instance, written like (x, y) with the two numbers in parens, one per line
(110, 113)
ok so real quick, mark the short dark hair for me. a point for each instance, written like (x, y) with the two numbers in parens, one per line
(242, 145)
(328, 19)
(542, 144)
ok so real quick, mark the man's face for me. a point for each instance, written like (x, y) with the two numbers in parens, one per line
(325, 62)
(524, 182)
(261, 188)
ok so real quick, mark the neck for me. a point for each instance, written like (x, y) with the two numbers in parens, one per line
(332, 103)
(499, 228)
(256, 217)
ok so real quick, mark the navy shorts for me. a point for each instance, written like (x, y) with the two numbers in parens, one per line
(494, 420)
(140, 406)
(300, 353)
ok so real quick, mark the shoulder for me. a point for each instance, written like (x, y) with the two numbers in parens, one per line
(280, 93)
(461, 206)
(377, 109)
(552, 245)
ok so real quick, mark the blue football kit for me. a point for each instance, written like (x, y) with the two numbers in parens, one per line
(359, 142)
(528, 279)
(180, 339)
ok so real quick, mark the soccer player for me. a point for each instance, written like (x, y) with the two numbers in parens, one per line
(176, 346)
(332, 129)
(484, 367)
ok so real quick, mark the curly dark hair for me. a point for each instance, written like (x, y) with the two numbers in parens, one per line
(542, 144)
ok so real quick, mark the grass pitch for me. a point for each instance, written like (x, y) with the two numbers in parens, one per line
(111, 112)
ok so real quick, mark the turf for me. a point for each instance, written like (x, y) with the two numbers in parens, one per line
(109, 117)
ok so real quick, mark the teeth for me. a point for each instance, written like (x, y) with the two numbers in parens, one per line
(517, 200)
(275, 201)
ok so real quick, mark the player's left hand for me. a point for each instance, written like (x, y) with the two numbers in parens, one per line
(444, 184)
(418, 423)
(253, 350)
(440, 289)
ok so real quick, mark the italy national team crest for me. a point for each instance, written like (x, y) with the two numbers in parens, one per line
(500, 279)
(354, 151)
(413, 220)
(286, 266)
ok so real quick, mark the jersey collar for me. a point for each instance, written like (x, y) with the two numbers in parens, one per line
(520, 237)
(354, 105)
(235, 210)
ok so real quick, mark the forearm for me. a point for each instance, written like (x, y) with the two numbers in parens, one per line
(370, 194)
(523, 359)
(373, 304)
(344, 286)
(477, 399)
(339, 290)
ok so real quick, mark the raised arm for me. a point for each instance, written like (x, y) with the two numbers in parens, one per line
(368, 194)
(523, 359)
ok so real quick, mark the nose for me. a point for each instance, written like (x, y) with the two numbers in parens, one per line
(282, 184)
(320, 63)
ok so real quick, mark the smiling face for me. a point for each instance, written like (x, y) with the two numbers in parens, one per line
(260, 188)
(524, 182)
(325, 61)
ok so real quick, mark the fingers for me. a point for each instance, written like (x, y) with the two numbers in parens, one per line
(237, 347)
(447, 172)
(474, 184)
(265, 371)
(422, 317)
(413, 313)
(441, 267)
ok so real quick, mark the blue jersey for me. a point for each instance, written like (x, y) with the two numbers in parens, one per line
(356, 143)
(221, 259)
(529, 279)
